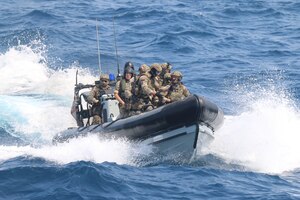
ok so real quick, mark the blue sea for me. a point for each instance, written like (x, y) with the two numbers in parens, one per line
(242, 55)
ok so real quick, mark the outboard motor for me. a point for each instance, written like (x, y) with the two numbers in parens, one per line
(110, 108)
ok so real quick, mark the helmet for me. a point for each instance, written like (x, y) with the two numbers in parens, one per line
(167, 76)
(128, 65)
(104, 77)
(104, 80)
(129, 70)
(156, 66)
(177, 74)
(166, 66)
(144, 68)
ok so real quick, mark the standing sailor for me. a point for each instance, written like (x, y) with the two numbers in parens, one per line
(124, 92)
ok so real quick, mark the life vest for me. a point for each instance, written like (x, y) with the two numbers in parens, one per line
(123, 88)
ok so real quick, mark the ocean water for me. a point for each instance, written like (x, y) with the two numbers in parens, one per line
(242, 55)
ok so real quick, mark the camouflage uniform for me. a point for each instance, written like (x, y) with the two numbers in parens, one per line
(124, 88)
(144, 93)
(177, 91)
(142, 70)
(163, 91)
(94, 98)
(167, 79)
(165, 68)
(156, 81)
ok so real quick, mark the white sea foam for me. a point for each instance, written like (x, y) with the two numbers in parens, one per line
(35, 99)
(89, 148)
(24, 71)
(265, 138)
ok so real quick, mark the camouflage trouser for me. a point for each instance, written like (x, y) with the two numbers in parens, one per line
(124, 112)
(142, 105)
(96, 114)
(96, 120)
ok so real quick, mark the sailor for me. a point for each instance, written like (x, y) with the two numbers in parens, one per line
(163, 91)
(129, 66)
(156, 81)
(165, 68)
(100, 88)
(176, 91)
(145, 91)
(124, 92)
(126, 66)
(155, 70)
(167, 79)
(142, 70)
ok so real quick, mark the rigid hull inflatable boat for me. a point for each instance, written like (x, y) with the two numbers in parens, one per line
(178, 127)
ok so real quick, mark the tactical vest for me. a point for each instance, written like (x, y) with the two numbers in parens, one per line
(122, 89)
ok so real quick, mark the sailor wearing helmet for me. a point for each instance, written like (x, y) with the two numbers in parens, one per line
(124, 92)
(176, 90)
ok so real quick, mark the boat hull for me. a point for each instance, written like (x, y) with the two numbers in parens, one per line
(177, 127)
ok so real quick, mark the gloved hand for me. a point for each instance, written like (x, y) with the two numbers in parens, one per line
(166, 100)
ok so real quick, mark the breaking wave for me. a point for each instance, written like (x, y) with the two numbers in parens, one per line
(265, 136)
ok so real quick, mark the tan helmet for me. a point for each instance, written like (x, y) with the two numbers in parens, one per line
(104, 77)
(144, 68)
(166, 66)
(167, 76)
(177, 74)
(156, 66)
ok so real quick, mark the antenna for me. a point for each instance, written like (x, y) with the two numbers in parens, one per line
(98, 45)
(117, 56)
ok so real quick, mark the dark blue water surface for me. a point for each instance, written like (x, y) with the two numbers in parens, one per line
(233, 52)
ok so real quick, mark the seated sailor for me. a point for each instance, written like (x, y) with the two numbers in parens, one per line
(144, 91)
(175, 90)
(100, 88)
(165, 68)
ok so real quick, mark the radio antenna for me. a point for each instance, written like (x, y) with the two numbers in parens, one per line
(98, 45)
(116, 48)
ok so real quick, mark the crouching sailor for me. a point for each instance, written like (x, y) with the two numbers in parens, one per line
(124, 92)
(102, 87)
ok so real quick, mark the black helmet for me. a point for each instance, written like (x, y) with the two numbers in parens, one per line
(129, 70)
(128, 65)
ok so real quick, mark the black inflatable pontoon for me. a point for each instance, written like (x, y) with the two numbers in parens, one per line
(176, 127)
